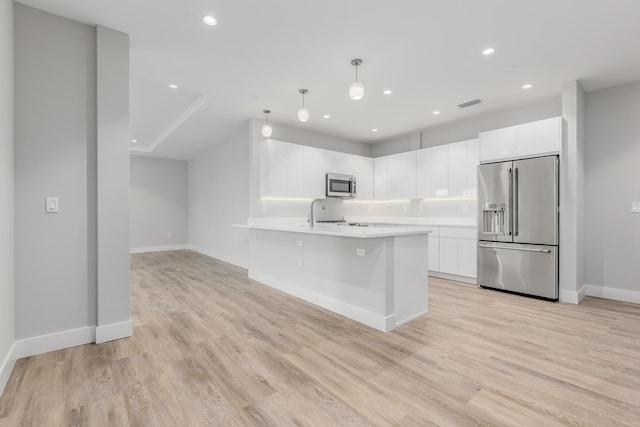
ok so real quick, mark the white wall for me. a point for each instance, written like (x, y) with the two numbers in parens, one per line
(612, 175)
(6, 191)
(469, 128)
(158, 203)
(218, 198)
(72, 142)
(55, 84)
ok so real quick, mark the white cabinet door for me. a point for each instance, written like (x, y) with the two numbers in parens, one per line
(434, 253)
(295, 171)
(433, 172)
(467, 258)
(463, 168)
(274, 164)
(380, 178)
(363, 171)
(314, 172)
(401, 170)
(541, 137)
(448, 255)
(339, 162)
(498, 144)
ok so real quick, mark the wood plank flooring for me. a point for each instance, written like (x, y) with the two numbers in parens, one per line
(213, 348)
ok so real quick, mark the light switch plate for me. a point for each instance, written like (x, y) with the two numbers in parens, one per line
(635, 207)
(52, 205)
(361, 252)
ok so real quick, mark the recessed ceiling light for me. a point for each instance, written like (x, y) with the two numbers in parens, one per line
(172, 86)
(387, 92)
(326, 116)
(209, 20)
(435, 113)
(133, 141)
(374, 130)
(527, 86)
(488, 51)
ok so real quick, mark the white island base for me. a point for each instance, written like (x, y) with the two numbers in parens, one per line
(376, 279)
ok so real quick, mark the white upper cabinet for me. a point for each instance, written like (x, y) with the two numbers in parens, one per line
(433, 172)
(315, 167)
(298, 171)
(363, 171)
(498, 144)
(273, 168)
(339, 162)
(380, 178)
(401, 176)
(541, 137)
(464, 158)
(527, 140)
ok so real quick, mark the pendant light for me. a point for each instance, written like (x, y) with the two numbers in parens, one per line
(303, 113)
(267, 130)
(356, 90)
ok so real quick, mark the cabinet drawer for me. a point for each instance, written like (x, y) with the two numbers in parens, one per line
(459, 232)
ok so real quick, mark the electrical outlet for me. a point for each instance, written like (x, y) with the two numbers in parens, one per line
(405, 209)
(299, 262)
(169, 235)
(635, 207)
(465, 209)
(361, 252)
(301, 243)
(264, 209)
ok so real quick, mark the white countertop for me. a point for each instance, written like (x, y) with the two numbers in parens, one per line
(407, 220)
(338, 231)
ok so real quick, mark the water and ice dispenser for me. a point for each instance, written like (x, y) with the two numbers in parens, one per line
(493, 216)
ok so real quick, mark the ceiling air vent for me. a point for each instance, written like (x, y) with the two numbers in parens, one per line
(469, 103)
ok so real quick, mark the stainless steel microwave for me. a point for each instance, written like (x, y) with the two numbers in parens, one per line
(339, 185)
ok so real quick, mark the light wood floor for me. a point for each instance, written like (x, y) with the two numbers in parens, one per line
(211, 347)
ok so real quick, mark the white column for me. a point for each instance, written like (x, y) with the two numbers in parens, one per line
(572, 288)
(114, 313)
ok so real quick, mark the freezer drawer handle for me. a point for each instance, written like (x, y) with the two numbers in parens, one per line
(544, 251)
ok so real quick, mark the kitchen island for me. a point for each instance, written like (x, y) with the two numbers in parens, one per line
(374, 275)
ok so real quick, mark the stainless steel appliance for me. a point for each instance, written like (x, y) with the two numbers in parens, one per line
(339, 185)
(518, 219)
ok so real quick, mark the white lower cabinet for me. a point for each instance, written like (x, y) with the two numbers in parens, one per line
(467, 258)
(458, 251)
(434, 253)
(448, 255)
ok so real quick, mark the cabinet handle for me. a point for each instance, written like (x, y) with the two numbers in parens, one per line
(544, 251)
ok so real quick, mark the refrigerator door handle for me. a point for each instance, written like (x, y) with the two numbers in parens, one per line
(516, 206)
(544, 251)
(510, 232)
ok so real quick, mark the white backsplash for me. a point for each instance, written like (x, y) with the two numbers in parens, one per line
(336, 208)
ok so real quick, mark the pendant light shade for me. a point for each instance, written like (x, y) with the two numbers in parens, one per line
(267, 130)
(356, 90)
(303, 113)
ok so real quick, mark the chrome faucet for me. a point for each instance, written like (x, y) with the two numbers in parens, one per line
(311, 219)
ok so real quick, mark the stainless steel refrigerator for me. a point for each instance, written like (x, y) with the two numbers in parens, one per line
(518, 232)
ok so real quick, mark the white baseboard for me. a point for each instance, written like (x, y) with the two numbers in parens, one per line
(242, 263)
(573, 297)
(414, 317)
(114, 331)
(6, 367)
(158, 249)
(55, 341)
(377, 321)
(454, 277)
(613, 293)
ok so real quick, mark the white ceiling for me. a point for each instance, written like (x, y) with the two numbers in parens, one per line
(426, 51)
